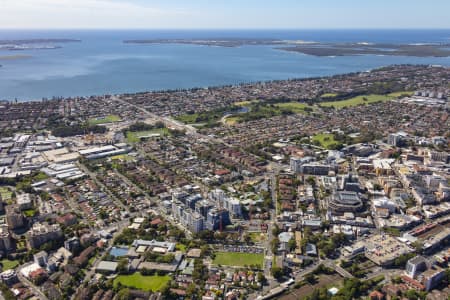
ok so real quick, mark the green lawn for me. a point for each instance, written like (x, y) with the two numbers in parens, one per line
(29, 213)
(180, 247)
(398, 94)
(365, 99)
(9, 264)
(104, 120)
(246, 103)
(6, 193)
(134, 137)
(188, 118)
(238, 259)
(231, 120)
(257, 237)
(21, 244)
(296, 107)
(124, 157)
(145, 283)
(329, 95)
(326, 140)
(91, 260)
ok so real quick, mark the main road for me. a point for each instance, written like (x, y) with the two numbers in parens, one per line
(170, 123)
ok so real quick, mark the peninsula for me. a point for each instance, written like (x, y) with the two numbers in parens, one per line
(315, 48)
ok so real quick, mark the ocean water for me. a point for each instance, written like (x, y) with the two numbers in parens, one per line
(102, 64)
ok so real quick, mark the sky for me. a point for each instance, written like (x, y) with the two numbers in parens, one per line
(223, 14)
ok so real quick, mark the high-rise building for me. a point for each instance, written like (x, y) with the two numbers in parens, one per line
(41, 233)
(217, 219)
(14, 217)
(5, 238)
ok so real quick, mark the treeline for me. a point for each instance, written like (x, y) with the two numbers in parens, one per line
(141, 126)
(66, 130)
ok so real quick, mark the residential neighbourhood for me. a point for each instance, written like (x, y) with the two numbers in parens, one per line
(299, 189)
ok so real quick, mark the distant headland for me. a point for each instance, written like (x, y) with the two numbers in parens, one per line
(317, 49)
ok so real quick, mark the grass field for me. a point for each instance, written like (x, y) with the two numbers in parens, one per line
(294, 106)
(9, 264)
(188, 118)
(326, 140)
(231, 120)
(29, 213)
(398, 94)
(145, 283)
(246, 103)
(236, 259)
(6, 193)
(366, 99)
(133, 137)
(257, 237)
(123, 157)
(328, 95)
(180, 247)
(104, 120)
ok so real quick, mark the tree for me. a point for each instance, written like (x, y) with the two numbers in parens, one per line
(277, 272)
(200, 272)
(124, 294)
(292, 244)
(122, 266)
(261, 278)
(247, 238)
(310, 278)
(191, 291)
(276, 230)
(275, 243)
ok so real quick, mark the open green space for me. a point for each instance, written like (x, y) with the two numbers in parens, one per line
(207, 118)
(246, 103)
(365, 99)
(5, 193)
(231, 120)
(134, 137)
(104, 120)
(328, 95)
(91, 260)
(21, 244)
(237, 259)
(9, 264)
(29, 213)
(145, 283)
(123, 157)
(401, 94)
(188, 118)
(257, 237)
(180, 247)
(296, 107)
(326, 140)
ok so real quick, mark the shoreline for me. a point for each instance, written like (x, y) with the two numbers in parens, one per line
(14, 57)
(215, 87)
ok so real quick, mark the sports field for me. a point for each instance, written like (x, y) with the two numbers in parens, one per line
(366, 99)
(294, 106)
(134, 137)
(326, 140)
(238, 259)
(104, 120)
(145, 283)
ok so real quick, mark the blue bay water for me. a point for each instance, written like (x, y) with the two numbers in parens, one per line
(102, 64)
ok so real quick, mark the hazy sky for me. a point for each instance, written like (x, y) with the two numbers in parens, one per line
(210, 14)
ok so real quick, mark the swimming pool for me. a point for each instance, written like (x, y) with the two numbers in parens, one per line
(118, 251)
